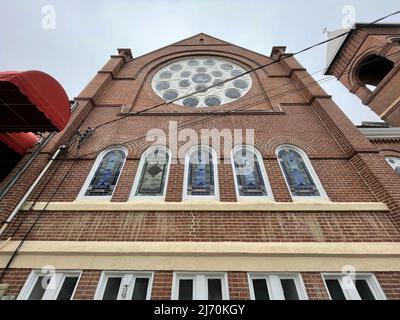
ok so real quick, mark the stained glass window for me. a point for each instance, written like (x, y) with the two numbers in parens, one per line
(298, 176)
(249, 177)
(201, 173)
(153, 173)
(106, 176)
(194, 75)
(394, 163)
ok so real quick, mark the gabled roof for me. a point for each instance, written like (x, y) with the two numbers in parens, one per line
(195, 41)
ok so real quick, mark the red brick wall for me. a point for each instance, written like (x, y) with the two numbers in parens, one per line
(388, 147)
(162, 285)
(238, 286)
(348, 165)
(390, 283)
(15, 278)
(208, 226)
(87, 285)
(361, 44)
(315, 286)
(321, 130)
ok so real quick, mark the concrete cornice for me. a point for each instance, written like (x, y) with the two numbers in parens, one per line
(379, 133)
(214, 206)
(200, 256)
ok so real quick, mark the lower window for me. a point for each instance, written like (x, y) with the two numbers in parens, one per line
(200, 286)
(358, 287)
(124, 286)
(50, 286)
(277, 287)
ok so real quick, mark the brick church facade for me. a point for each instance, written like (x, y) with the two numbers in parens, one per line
(316, 214)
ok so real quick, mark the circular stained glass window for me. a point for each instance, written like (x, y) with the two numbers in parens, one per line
(170, 95)
(191, 102)
(195, 75)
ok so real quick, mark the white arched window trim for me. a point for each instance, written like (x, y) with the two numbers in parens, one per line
(323, 195)
(139, 174)
(263, 174)
(393, 165)
(81, 195)
(185, 196)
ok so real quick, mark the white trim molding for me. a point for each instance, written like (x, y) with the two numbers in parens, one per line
(200, 256)
(214, 157)
(310, 168)
(127, 285)
(381, 133)
(202, 206)
(199, 284)
(394, 163)
(347, 283)
(274, 285)
(139, 173)
(52, 279)
(264, 174)
(81, 195)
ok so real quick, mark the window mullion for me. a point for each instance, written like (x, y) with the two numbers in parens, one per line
(276, 291)
(123, 293)
(200, 288)
(349, 288)
(53, 287)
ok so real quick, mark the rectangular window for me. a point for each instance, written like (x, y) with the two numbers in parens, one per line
(50, 286)
(276, 287)
(205, 286)
(357, 287)
(124, 286)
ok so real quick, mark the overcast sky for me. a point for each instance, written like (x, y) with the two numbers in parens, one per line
(88, 32)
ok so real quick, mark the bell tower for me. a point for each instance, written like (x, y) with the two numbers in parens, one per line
(367, 62)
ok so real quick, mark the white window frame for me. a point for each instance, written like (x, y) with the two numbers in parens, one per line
(274, 286)
(200, 289)
(81, 195)
(351, 292)
(57, 280)
(138, 175)
(397, 159)
(323, 195)
(264, 175)
(185, 195)
(128, 279)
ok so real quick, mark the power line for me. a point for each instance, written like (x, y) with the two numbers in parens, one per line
(271, 63)
(280, 95)
(251, 70)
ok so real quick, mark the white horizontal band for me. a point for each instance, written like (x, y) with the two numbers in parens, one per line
(216, 206)
(204, 256)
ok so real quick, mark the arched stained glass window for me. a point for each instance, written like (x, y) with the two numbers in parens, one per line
(152, 175)
(394, 163)
(250, 176)
(300, 176)
(104, 176)
(201, 176)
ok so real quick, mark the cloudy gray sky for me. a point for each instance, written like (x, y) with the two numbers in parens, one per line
(88, 32)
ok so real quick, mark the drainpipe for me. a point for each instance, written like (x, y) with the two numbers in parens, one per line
(33, 186)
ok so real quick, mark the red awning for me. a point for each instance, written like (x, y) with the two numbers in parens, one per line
(32, 101)
(19, 141)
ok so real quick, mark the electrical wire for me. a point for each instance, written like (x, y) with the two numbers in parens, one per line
(40, 214)
(72, 142)
(270, 98)
(261, 67)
